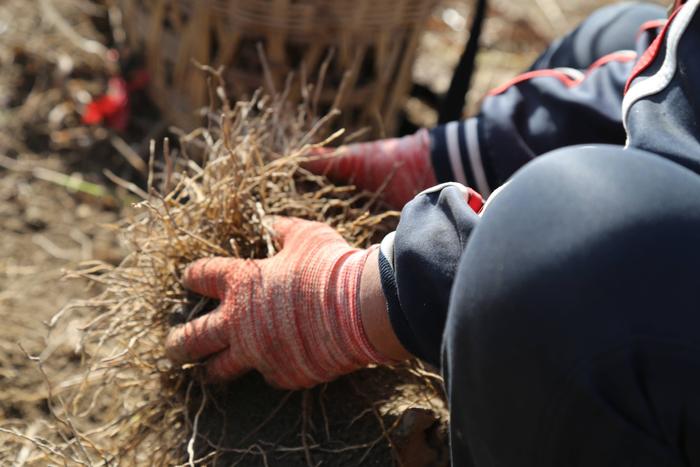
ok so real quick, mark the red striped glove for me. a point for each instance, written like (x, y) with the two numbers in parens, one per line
(404, 163)
(294, 317)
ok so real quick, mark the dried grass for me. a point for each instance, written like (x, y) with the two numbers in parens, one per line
(129, 405)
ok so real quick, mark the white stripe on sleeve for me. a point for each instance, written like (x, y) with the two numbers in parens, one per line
(452, 135)
(472, 136)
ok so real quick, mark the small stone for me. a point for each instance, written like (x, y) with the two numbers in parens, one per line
(83, 211)
(34, 219)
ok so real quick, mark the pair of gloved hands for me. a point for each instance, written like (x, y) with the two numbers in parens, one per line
(296, 317)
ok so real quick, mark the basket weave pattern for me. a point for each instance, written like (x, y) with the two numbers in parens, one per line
(373, 44)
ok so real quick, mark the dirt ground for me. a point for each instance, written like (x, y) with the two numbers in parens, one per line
(56, 204)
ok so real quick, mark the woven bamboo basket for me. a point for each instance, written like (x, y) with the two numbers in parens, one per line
(364, 48)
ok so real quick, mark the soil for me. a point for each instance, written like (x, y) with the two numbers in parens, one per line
(47, 228)
(334, 424)
(44, 229)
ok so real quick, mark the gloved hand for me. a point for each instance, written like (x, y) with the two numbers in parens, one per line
(294, 317)
(404, 163)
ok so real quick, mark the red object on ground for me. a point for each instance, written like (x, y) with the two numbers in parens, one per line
(112, 109)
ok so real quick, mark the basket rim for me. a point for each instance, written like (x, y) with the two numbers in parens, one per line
(304, 16)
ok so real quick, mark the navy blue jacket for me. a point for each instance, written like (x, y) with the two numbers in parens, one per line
(572, 95)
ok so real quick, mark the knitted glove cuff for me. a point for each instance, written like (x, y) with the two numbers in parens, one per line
(353, 268)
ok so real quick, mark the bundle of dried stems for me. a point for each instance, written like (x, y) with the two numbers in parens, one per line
(149, 412)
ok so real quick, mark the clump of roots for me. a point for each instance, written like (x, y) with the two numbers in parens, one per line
(210, 196)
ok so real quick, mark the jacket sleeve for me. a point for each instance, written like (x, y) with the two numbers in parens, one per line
(418, 262)
(538, 112)
(572, 95)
